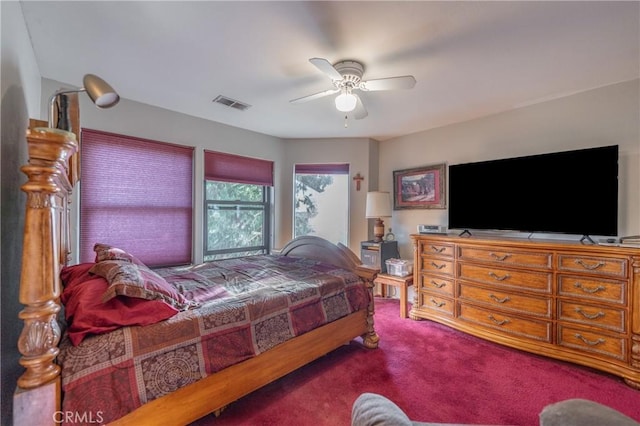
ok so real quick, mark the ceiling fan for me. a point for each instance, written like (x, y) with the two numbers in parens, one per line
(346, 76)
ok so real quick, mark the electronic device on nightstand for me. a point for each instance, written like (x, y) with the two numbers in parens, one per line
(432, 229)
(376, 254)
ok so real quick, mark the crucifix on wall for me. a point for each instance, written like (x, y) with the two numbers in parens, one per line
(358, 178)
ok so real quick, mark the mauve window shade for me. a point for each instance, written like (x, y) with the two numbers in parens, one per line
(225, 167)
(323, 169)
(136, 194)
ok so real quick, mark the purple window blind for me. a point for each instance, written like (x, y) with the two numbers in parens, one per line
(237, 169)
(323, 169)
(136, 194)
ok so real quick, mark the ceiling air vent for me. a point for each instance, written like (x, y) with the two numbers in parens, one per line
(231, 103)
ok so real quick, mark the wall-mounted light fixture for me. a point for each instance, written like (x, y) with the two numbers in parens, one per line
(100, 92)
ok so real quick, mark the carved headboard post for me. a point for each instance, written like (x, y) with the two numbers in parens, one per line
(45, 249)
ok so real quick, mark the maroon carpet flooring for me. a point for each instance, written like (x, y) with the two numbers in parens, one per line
(434, 374)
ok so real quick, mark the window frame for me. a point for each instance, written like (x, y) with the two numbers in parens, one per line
(322, 168)
(266, 230)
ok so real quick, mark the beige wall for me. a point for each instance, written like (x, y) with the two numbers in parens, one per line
(145, 121)
(604, 116)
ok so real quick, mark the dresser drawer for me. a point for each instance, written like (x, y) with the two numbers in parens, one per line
(505, 301)
(594, 265)
(521, 280)
(592, 342)
(541, 260)
(612, 319)
(592, 289)
(436, 284)
(435, 249)
(432, 302)
(508, 324)
(439, 266)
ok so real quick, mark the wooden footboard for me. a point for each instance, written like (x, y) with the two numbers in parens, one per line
(219, 390)
(37, 399)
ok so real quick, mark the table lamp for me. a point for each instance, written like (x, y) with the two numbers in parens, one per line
(378, 206)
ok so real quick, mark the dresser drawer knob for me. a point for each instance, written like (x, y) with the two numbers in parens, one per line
(589, 290)
(500, 258)
(599, 314)
(436, 303)
(437, 284)
(438, 249)
(499, 278)
(590, 342)
(497, 321)
(590, 267)
(499, 300)
(435, 265)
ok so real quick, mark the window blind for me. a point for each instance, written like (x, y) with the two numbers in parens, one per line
(323, 169)
(238, 169)
(136, 194)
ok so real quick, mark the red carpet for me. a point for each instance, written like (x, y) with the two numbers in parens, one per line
(434, 373)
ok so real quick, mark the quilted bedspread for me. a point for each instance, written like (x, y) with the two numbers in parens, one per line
(247, 306)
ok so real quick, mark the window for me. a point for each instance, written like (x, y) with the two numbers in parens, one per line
(237, 206)
(236, 220)
(321, 201)
(136, 194)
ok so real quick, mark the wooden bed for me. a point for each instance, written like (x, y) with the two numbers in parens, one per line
(46, 251)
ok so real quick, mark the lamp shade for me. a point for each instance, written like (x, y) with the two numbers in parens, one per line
(378, 204)
(100, 92)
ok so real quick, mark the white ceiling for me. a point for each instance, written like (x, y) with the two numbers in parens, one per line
(470, 59)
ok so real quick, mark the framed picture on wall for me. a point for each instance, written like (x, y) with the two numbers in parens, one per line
(419, 188)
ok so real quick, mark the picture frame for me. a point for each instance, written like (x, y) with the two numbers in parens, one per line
(419, 188)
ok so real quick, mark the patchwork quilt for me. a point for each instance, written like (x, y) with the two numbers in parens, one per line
(245, 307)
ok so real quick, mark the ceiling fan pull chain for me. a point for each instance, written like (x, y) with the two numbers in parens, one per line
(345, 121)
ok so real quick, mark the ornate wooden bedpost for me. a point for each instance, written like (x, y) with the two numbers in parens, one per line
(370, 339)
(45, 249)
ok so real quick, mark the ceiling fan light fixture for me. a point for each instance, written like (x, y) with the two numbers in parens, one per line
(346, 102)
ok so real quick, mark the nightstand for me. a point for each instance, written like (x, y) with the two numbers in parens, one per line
(375, 254)
(402, 283)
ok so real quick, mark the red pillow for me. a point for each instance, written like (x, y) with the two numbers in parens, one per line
(132, 280)
(86, 314)
(108, 252)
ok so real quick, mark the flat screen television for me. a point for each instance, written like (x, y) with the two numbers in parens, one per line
(571, 192)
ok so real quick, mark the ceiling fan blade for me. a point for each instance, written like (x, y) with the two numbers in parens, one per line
(360, 111)
(326, 67)
(391, 83)
(314, 96)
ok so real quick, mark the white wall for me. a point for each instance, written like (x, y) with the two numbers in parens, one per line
(141, 120)
(605, 116)
(20, 100)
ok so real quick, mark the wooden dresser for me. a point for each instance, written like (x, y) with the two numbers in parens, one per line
(574, 302)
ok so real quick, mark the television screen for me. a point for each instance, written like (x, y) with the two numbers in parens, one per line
(571, 192)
